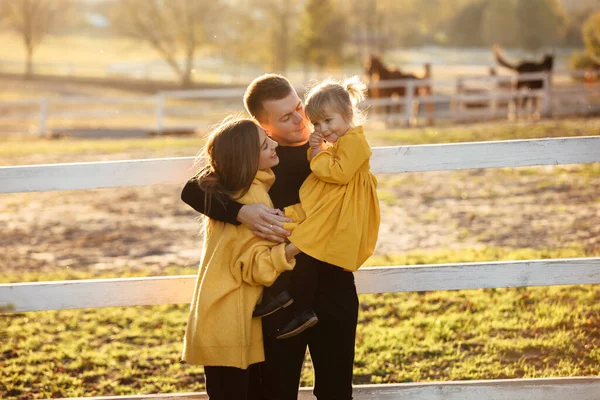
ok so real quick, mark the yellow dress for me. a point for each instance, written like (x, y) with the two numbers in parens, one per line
(235, 267)
(337, 220)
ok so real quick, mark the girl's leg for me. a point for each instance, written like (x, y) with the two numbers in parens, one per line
(275, 297)
(303, 287)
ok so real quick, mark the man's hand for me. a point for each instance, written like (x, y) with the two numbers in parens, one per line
(265, 222)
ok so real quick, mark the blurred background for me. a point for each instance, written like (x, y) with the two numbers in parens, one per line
(102, 63)
(102, 80)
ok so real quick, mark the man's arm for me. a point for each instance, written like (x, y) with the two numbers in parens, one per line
(264, 221)
(225, 211)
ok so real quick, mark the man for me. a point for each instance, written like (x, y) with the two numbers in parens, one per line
(276, 106)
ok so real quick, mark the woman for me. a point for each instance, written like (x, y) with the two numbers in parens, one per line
(221, 333)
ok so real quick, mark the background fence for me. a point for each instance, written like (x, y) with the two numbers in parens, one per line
(466, 98)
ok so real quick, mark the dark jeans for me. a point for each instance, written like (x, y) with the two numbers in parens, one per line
(229, 383)
(330, 342)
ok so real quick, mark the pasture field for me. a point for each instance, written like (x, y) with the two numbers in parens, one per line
(427, 218)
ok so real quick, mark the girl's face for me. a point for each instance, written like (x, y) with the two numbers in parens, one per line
(268, 157)
(331, 126)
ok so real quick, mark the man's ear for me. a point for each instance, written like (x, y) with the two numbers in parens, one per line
(266, 127)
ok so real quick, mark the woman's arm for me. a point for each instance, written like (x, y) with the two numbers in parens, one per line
(263, 263)
(291, 251)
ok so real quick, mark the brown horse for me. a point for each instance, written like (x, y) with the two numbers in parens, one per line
(376, 70)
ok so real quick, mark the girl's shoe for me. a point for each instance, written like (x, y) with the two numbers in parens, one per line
(299, 324)
(270, 304)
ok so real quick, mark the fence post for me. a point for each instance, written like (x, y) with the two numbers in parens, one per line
(458, 105)
(408, 100)
(495, 86)
(547, 105)
(43, 123)
(160, 113)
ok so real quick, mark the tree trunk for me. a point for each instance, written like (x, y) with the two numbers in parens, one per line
(283, 44)
(29, 64)
(186, 78)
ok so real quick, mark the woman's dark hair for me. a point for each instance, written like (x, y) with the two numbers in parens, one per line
(231, 154)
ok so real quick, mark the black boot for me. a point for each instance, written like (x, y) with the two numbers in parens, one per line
(270, 304)
(299, 324)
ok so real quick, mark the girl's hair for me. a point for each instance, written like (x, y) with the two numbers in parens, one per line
(341, 97)
(232, 152)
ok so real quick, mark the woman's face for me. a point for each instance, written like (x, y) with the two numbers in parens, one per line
(268, 157)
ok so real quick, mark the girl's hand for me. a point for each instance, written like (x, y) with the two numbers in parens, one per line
(315, 141)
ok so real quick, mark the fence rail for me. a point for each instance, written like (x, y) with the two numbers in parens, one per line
(121, 292)
(414, 158)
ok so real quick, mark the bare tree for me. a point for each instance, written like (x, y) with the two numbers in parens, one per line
(32, 20)
(278, 18)
(173, 28)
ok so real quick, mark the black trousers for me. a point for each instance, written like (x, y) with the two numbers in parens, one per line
(330, 342)
(230, 383)
(301, 282)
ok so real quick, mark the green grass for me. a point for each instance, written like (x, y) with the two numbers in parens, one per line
(488, 131)
(106, 146)
(23, 146)
(401, 337)
(78, 49)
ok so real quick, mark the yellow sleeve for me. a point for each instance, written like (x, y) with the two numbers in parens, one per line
(296, 214)
(261, 264)
(339, 165)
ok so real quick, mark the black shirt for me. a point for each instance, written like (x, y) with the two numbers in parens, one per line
(290, 173)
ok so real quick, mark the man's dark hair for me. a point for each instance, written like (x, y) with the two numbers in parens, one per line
(265, 87)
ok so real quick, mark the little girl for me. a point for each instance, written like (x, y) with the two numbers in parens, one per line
(221, 333)
(337, 220)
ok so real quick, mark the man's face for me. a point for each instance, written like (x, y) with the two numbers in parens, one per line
(285, 121)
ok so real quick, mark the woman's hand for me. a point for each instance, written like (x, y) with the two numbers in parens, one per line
(291, 251)
(265, 222)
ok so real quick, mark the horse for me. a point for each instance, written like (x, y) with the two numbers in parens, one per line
(376, 70)
(545, 65)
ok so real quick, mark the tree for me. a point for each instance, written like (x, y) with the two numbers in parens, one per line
(465, 27)
(499, 24)
(322, 35)
(173, 28)
(277, 18)
(541, 23)
(32, 20)
(591, 37)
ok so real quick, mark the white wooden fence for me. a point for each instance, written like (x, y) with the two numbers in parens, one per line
(96, 293)
(448, 100)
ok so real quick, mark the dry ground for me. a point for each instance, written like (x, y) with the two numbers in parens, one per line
(150, 228)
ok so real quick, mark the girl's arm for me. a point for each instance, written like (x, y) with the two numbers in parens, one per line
(339, 166)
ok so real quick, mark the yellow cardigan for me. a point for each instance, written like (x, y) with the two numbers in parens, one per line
(337, 220)
(234, 268)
